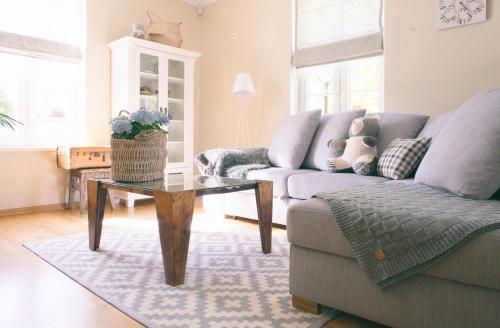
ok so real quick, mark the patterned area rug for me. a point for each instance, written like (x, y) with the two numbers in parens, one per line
(229, 282)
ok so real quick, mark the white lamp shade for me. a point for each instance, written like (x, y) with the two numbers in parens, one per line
(243, 86)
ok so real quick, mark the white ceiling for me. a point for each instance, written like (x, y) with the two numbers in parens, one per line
(199, 3)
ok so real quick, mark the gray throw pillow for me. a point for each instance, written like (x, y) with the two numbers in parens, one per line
(332, 126)
(292, 140)
(398, 125)
(465, 158)
(435, 124)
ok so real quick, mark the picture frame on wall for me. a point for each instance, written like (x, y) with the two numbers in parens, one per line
(453, 13)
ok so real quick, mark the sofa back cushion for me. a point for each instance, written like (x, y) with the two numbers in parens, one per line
(434, 125)
(465, 158)
(332, 126)
(292, 140)
(398, 125)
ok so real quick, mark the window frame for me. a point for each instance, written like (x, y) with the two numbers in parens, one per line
(22, 139)
(341, 86)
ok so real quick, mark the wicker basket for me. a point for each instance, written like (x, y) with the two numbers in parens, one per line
(139, 160)
(164, 32)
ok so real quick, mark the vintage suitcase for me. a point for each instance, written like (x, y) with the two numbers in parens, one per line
(83, 157)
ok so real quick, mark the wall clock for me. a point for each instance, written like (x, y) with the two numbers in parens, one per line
(453, 13)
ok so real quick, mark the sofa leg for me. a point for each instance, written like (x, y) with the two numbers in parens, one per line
(306, 305)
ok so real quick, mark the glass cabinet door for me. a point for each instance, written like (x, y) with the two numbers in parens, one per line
(175, 110)
(149, 82)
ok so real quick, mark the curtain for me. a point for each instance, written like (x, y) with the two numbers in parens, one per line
(329, 31)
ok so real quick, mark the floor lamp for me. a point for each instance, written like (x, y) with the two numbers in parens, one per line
(243, 89)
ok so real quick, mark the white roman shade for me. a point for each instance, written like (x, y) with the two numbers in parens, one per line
(48, 29)
(330, 31)
(39, 48)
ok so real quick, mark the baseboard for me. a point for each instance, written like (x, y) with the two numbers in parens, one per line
(32, 209)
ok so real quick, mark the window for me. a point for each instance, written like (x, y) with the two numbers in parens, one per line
(338, 55)
(41, 79)
(336, 87)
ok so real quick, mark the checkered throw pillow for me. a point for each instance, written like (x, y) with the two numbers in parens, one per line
(402, 157)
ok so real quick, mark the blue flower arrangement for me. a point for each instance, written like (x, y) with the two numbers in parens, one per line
(138, 125)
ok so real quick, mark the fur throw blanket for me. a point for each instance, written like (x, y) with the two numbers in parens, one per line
(232, 163)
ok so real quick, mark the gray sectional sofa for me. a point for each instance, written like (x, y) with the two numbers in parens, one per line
(461, 290)
(291, 185)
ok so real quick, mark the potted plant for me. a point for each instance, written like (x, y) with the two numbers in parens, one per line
(139, 146)
(8, 122)
(5, 107)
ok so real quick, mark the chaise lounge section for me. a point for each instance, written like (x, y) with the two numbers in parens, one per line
(463, 290)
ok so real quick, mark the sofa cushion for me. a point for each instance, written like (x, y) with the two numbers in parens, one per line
(332, 126)
(398, 125)
(465, 158)
(305, 186)
(279, 176)
(292, 140)
(434, 125)
(310, 224)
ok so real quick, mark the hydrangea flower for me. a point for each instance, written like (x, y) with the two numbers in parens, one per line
(120, 118)
(121, 125)
(161, 118)
(143, 116)
(139, 125)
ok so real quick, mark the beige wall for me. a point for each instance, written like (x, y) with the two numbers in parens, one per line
(426, 71)
(109, 20)
(430, 71)
(262, 48)
(31, 178)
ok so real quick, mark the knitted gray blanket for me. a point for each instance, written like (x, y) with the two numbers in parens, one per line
(232, 163)
(396, 230)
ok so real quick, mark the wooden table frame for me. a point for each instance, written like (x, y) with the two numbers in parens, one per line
(174, 211)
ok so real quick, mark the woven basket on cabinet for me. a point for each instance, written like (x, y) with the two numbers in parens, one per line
(139, 160)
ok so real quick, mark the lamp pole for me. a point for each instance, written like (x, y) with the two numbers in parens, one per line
(243, 89)
(243, 125)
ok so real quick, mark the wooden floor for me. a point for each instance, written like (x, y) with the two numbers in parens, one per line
(34, 294)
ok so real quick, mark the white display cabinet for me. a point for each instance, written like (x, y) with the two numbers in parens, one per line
(156, 77)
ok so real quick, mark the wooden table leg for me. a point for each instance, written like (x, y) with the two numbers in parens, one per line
(175, 213)
(96, 203)
(72, 187)
(112, 202)
(83, 192)
(264, 196)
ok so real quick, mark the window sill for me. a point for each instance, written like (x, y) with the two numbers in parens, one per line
(27, 149)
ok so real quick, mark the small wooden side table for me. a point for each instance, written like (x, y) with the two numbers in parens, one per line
(78, 182)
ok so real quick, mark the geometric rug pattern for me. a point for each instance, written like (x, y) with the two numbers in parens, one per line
(229, 282)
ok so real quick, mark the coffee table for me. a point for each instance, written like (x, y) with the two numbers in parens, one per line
(174, 199)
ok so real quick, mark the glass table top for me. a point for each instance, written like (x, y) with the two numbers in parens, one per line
(203, 185)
